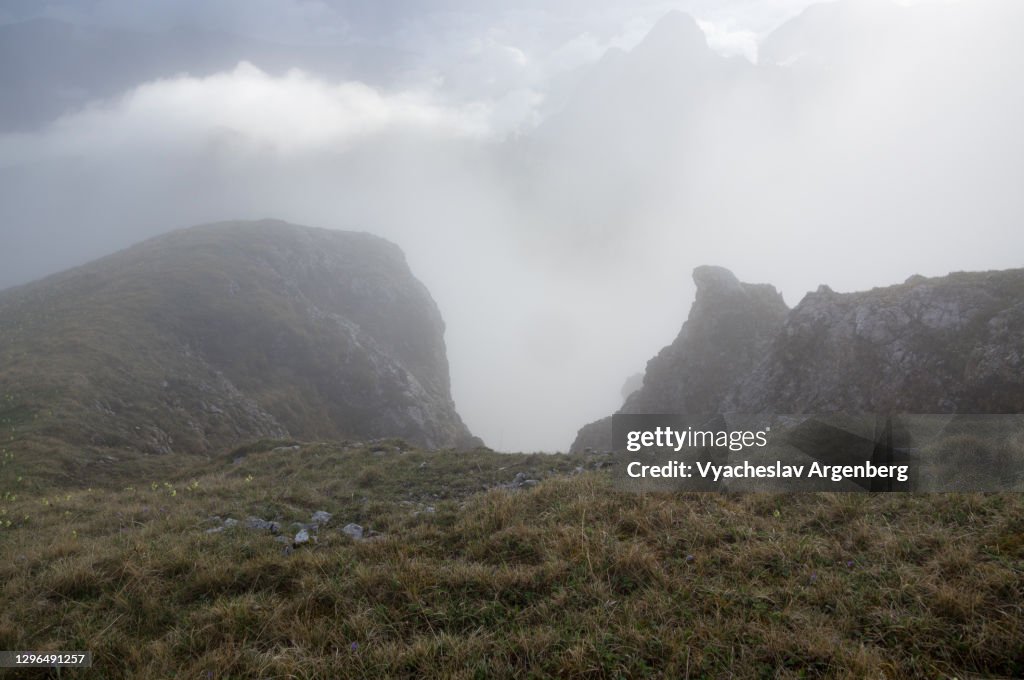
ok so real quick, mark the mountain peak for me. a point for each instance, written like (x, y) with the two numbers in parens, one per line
(713, 279)
(725, 336)
(676, 36)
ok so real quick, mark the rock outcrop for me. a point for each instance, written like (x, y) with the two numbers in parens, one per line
(953, 344)
(728, 332)
(210, 336)
(944, 345)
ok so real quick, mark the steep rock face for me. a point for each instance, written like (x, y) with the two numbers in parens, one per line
(211, 335)
(945, 345)
(953, 344)
(729, 329)
(726, 334)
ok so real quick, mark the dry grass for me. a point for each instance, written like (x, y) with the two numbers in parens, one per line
(567, 579)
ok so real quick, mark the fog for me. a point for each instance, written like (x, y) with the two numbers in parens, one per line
(553, 171)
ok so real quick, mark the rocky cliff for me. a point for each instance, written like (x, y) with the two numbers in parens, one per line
(953, 344)
(209, 336)
(944, 345)
(728, 332)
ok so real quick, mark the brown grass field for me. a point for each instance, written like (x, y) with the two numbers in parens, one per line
(565, 579)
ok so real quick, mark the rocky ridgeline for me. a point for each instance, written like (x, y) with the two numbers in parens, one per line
(953, 344)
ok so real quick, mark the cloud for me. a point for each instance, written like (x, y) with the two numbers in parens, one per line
(728, 40)
(289, 114)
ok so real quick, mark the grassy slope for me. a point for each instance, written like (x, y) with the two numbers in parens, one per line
(83, 353)
(568, 578)
(142, 350)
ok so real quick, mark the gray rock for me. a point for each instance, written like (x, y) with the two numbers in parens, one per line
(262, 525)
(717, 280)
(353, 530)
(520, 481)
(301, 537)
(228, 523)
(321, 517)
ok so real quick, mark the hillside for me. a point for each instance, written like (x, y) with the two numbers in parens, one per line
(455, 572)
(208, 337)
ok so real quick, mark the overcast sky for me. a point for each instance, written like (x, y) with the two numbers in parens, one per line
(553, 170)
(406, 22)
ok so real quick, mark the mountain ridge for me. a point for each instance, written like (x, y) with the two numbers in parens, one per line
(951, 344)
